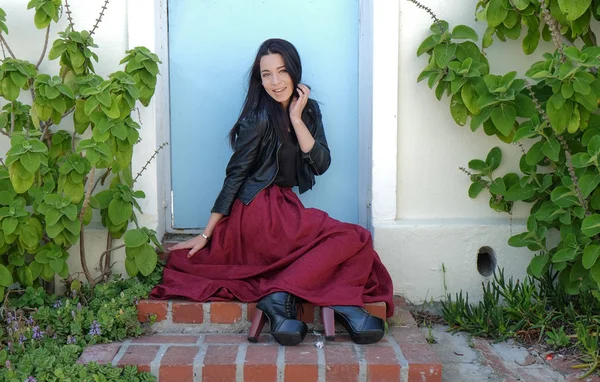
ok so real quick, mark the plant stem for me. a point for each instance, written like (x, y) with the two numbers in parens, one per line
(428, 10)
(82, 257)
(3, 41)
(556, 35)
(101, 179)
(45, 47)
(108, 252)
(88, 194)
(150, 160)
(12, 118)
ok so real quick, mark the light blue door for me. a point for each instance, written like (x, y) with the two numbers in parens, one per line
(212, 44)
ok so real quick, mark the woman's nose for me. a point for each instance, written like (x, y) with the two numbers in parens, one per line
(275, 79)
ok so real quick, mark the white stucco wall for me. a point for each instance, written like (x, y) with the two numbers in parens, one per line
(422, 215)
(125, 24)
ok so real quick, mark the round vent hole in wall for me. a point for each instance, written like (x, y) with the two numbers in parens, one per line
(486, 261)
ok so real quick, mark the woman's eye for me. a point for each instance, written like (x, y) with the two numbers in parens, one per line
(265, 75)
(283, 71)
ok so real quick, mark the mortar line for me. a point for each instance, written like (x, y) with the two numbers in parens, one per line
(240, 360)
(169, 318)
(321, 364)
(206, 312)
(155, 364)
(198, 363)
(404, 366)
(362, 363)
(121, 352)
(280, 363)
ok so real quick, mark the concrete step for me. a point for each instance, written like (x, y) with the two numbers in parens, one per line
(181, 316)
(402, 355)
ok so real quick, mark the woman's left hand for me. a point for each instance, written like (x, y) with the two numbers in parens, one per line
(298, 103)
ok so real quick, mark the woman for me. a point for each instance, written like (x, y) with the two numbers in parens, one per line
(260, 243)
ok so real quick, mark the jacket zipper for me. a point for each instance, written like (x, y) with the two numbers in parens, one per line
(268, 184)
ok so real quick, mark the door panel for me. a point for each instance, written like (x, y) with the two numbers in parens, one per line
(211, 47)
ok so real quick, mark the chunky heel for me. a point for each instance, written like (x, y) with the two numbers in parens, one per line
(258, 321)
(363, 327)
(328, 320)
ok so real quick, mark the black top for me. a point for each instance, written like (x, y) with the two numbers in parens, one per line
(288, 162)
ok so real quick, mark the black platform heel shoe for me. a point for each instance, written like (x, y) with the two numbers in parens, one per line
(363, 327)
(280, 309)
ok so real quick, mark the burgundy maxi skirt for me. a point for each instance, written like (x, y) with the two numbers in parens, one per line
(276, 244)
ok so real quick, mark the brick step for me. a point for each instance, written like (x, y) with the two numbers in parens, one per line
(181, 316)
(402, 355)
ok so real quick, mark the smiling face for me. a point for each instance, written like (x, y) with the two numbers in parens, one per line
(276, 79)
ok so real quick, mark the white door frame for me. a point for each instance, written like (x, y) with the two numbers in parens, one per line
(148, 26)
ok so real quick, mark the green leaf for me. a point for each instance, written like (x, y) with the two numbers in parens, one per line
(574, 9)
(588, 183)
(566, 254)
(36, 269)
(146, 259)
(9, 225)
(25, 276)
(564, 197)
(495, 13)
(590, 255)
(464, 32)
(552, 149)
(561, 116)
(6, 278)
(458, 110)
(443, 53)
(504, 117)
(494, 158)
(119, 212)
(591, 225)
(580, 160)
(135, 238)
(537, 265)
(475, 189)
(428, 44)
(131, 268)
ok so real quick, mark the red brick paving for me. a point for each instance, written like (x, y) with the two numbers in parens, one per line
(214, 355)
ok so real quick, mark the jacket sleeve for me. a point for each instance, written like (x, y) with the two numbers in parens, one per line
(245, 152)
(318, 157)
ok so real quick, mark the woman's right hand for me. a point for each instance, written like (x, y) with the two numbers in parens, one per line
(195, 244)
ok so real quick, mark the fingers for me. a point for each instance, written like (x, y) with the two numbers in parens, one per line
(194, 250)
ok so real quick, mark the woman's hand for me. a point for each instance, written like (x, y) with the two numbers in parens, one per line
(298, 103)
(196, 244)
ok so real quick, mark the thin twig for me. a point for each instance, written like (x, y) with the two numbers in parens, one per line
(485, 184)
(45, 47)
(88, 194)
(3, 51)
(101, 179)
(3, 41)
(150, 160)
(2, 162)
(108, 240)
(428, 10)
(68, 10)
(99, 19)
(139, 115)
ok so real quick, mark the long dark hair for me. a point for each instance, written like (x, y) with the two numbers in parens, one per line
(258, 103)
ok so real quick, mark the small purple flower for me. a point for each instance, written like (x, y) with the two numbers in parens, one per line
(22, 339)
(95, 329)
(7, 364)
(10, 346)
(71, 340)
(10, 318)
(15, 325)
(136, 300)
(78, 306)
(73, 293)
(37, 333)
(73, 313)
(29, 320)
(57, 304)
(30, 379)
(54, 336)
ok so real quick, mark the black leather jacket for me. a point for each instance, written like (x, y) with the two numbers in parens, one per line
(253, 164)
